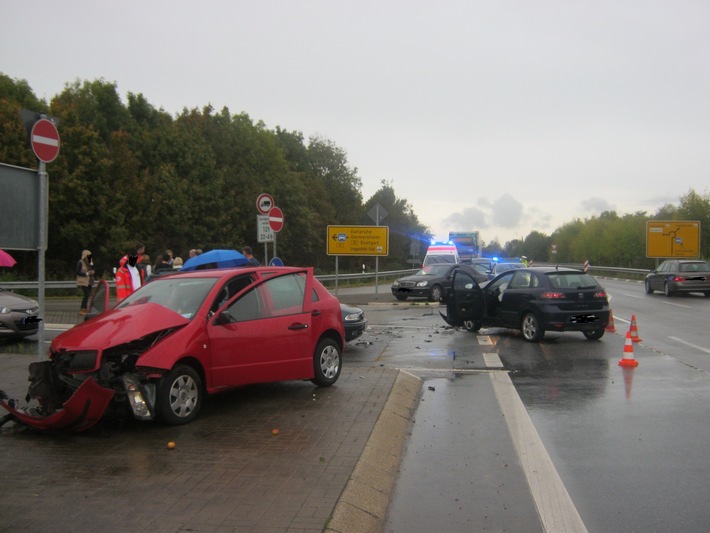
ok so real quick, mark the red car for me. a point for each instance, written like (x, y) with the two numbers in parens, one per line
(181, 336)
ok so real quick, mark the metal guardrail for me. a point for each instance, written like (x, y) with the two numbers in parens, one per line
(358, 276)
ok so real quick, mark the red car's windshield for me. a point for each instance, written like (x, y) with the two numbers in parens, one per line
(182, 295)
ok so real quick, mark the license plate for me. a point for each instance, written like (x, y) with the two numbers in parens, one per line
(584, 319)
(30, 320)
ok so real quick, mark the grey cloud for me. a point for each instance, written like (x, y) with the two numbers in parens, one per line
(540, 220)
(470, 217)
(503, 212)
(507, 212)
(596, 205)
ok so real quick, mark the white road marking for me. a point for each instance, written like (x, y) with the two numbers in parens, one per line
(689, 344)
(492, 360)
(484, 340)
(57, 327)
(554, 504)
(378, 326)
(633, 295)
(677, 305)
(424, 370)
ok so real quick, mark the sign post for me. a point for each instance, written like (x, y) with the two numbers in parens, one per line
(264, 203)
(44, 139)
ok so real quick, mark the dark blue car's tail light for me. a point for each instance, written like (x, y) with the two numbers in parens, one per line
(553, 296)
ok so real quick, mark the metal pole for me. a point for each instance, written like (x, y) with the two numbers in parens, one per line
(336, 275)
(41, 248)
(377, 259)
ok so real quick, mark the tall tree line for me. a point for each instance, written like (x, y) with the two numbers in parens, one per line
(131, 172)
(608, 239)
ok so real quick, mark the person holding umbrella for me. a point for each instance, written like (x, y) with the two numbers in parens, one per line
(85, 278)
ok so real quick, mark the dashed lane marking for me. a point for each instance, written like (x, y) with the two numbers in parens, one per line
(492, 360)
(690, 344)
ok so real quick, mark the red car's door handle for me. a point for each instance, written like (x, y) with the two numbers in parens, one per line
(298, 326)
(316, 312)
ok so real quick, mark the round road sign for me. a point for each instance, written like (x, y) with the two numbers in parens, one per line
(276, 219)
(45, 140)
(264, 203)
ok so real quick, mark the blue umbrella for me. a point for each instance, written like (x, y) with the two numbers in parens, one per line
(216, 259)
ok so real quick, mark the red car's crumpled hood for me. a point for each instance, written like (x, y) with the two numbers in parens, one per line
(118, 326)
(80, 412)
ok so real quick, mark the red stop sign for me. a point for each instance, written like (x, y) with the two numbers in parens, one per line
(276, 219)
(45, 140)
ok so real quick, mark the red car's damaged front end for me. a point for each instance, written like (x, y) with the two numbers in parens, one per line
(92, 370)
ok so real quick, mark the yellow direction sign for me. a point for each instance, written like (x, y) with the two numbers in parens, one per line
(358, 240)
(672, 238)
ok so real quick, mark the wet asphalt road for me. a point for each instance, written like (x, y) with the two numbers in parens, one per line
(630, 447)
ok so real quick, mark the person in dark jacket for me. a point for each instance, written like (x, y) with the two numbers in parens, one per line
(85, 278)
(249, 254)
(165, 265)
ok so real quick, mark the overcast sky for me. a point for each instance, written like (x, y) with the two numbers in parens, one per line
(499, 116)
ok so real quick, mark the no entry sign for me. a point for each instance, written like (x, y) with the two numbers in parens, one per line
(276, 219)
(45, 140)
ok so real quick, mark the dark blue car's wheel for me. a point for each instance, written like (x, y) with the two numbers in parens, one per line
(594, 335)
(472, 325)
(531, 328)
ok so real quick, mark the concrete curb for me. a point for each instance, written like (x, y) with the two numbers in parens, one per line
(362, 507)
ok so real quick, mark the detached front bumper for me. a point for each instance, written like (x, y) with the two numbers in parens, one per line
(80, 412)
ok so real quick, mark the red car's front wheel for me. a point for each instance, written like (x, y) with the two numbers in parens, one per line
(180, 395)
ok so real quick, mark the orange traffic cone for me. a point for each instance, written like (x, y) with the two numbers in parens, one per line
(610, 327)
(634, 330)
(628, 358)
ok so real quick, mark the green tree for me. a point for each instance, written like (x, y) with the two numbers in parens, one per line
(16, 95)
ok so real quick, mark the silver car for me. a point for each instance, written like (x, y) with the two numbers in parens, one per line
(19, 315)
(679, 275)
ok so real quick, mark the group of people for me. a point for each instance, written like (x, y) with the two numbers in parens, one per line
(134, 270)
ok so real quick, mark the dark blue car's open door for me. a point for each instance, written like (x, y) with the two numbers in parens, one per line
(465, 300)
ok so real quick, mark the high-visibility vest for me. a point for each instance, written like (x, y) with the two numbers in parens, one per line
(124, 282)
